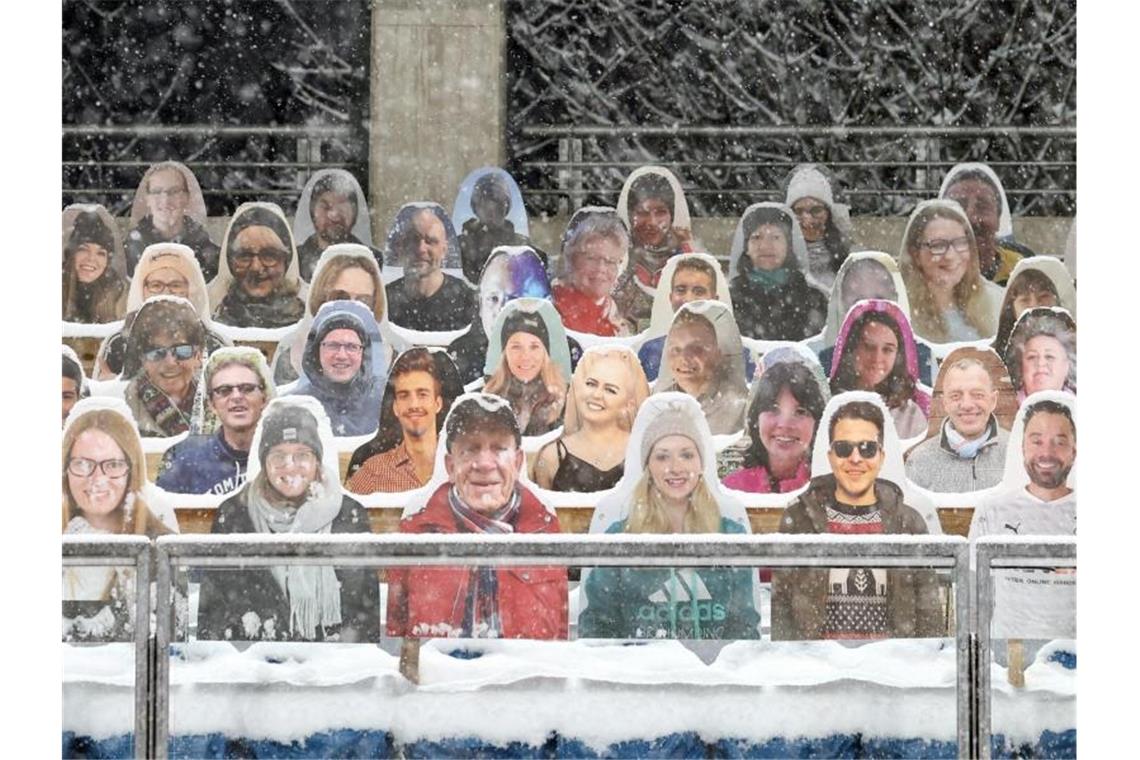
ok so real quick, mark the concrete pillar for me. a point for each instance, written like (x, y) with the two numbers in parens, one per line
(438, 100)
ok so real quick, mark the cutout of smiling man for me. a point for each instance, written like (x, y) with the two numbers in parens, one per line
(482, 495)
(426, 298)
(854, 603)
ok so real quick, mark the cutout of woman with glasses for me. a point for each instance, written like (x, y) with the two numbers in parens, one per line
(105, 491)
(824, 223)
(345, 367)
(258, 282)
(595, 252)
(949, 299)
(162, 362)
(169, 208)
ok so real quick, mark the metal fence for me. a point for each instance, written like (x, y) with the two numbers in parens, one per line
(880, 169)
(949, 553)
(1006, 553)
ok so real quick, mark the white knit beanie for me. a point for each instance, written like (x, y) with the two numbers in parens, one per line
(809, 182)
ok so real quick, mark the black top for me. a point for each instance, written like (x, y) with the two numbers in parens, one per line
(577, 475)
(793, 311)
(452, 307)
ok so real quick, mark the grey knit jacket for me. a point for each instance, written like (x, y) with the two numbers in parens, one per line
(934, 466)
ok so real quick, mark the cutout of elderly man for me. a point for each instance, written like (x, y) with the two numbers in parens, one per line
(426, 298)
(482, 495)
(1046, 505)
(854, 603)
(968, 453)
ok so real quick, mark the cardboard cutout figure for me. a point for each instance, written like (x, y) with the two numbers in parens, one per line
(488, 212)
(332, 210)
(607, 389)
(950, 301)
(258, 282)
(825, 224)
(169, 208)
(972, 408)
(670, 486)
(421, 387)
(293, 488)
(94, 267)
(1042, 352)
(75, 386)
(704, 357)
(768, 277)
(528, 363)
(595, 254)
(1039, 281)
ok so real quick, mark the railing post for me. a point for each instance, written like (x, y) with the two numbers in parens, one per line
(162, 655)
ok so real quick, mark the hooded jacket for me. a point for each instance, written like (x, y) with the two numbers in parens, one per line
(103, 300)
(308, 251)
(193, 234)
(428, 602)
(675, 603)
(793, 310)
(826, 255)
(911, 417)
(353, 407)
(799, 596)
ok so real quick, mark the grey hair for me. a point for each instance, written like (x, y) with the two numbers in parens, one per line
(594, 225)
(1042, 321)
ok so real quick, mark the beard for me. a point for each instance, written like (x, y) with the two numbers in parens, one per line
(335, 233)
(1054, 478)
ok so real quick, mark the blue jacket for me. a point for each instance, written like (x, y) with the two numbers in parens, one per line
(202, 464)
(676, 603)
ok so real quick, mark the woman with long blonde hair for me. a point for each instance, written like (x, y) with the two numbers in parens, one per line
(949, 299)
(526, 375)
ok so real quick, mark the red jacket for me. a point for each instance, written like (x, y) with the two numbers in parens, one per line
(429, 602)
(582, 313)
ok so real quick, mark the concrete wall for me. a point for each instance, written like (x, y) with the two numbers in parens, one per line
(438, 99)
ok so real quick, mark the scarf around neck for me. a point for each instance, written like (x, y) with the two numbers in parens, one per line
(769, 279)
(968, 448)
(481, 607)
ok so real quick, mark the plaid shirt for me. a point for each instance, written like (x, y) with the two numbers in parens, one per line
(388, 471)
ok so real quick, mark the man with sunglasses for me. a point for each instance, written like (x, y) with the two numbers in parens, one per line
(238, 387)
(854, 603)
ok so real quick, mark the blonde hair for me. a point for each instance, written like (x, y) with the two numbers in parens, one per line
(550, 375)
(647, 515)
(638, 385)
(123, 433)
(323, 281)
(969, 293)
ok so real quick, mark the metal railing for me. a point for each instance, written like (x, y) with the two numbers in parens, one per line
(1006, 553)
(574, 177)
(400, 550)
(117, 551)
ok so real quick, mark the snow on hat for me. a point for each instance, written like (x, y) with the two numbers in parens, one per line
(289, 424)
(89, 228)
(521, 321)
(669, 422)
(480, 411)
(809, 182)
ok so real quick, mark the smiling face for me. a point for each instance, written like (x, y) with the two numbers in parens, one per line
(1044, 364)
(813, 217)
(341, 354)
(333, 217)
(98, 496)
(969, 398)
(525, 356)
(1031, 298)
(982, 205)
(604, 392)
(875, 354)
(768, 247)
(854, 475)
(694, 356)
(786, 429)
(596, 266)
(484, 466)
(942, 272)
(353, 284)
(674, 467)
(165, 281)
(167, 198)
(1049, 449)
(258, 260)
(651, 220)
(416, 403)
(237, 411)
(90, 262)
(290, 468)
(171, 375)
(70, 395)
(424, 245)
(690, 285)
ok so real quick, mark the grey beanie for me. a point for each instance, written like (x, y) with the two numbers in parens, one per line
(670, 422)
(291, 424)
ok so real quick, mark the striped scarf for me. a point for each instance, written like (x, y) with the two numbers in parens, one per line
(481, 609)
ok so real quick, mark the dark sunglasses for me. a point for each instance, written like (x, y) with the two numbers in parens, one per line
(843, 449)
(181, 352)
(245, 389)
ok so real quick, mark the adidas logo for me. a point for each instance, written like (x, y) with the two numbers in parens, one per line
(686, 587)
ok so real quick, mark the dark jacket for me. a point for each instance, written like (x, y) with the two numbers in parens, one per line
(642, 603)
(452, 307)
(799, 596)
(194, 236)
(202, 464)
(309, 253)
(227, 594)
(426, 601)
(793, 311)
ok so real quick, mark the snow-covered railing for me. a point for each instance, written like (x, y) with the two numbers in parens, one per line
(119, 551)
(1006, 552)
(396, 550)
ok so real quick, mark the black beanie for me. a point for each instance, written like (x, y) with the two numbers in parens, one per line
(527, 322)
(73, 371)
(89, 228)
(258, 216)
(289, 424)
